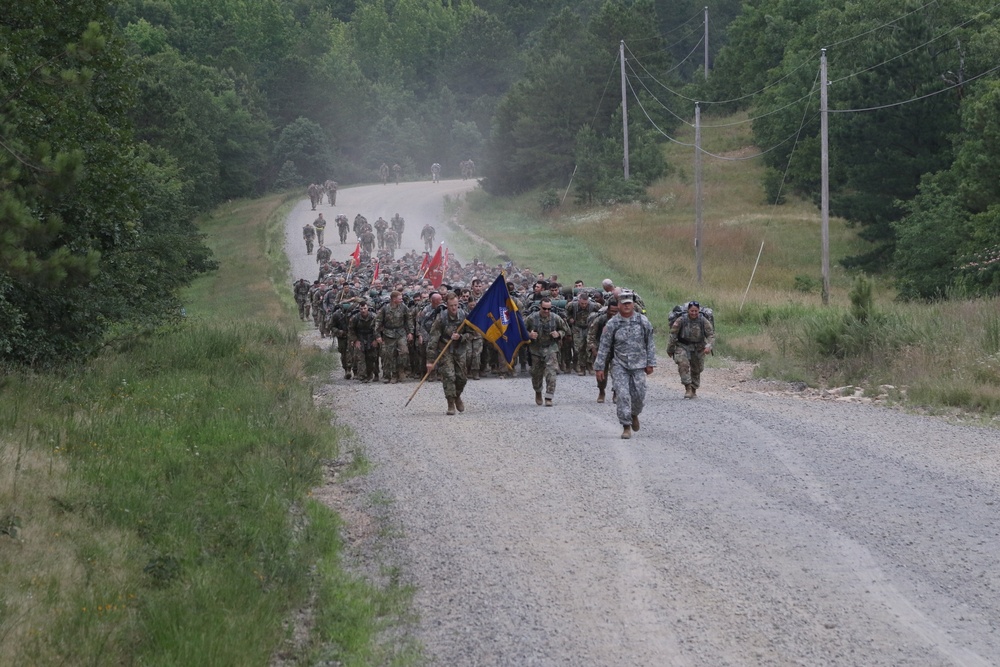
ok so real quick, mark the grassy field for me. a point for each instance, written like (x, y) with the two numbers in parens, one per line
(941, 357)
(155, 504)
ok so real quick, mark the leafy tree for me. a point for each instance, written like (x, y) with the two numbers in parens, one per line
(77, 190)
(306, 146)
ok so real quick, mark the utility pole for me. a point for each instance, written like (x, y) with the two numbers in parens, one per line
(824, 160)
(697, 189)
(706, 43)
(621, 52)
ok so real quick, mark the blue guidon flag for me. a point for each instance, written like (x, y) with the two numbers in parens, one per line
(499, 320)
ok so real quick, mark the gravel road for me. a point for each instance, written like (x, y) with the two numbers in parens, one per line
(747, 527)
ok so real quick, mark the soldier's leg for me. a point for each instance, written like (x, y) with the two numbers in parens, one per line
(550, 366)
(446, 369)
(637, 391)
(403, 358)
(388, 360)
(461, 378)
(623, 395)
(683, 361)
(475, 360)
(537, 372)
(697, 366)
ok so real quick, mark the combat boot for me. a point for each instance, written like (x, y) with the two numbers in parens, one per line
(386, 380)
(600, 395)
(626, 432)
(459, 405)
(347, 375)
(451, 406)
(538, 398)
(635, 422)
(694, 391)
(548, 402)
(688, 391)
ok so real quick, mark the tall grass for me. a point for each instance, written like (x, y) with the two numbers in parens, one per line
(154, 504)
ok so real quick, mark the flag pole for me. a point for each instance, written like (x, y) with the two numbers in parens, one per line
(434, 365)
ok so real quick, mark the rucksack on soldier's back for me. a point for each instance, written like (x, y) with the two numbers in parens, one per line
(681, 309)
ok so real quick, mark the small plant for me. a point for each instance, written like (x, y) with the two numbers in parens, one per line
(806, 284)
(9, 525)
(548, 200)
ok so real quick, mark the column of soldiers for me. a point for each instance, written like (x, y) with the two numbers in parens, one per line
(317, 191)
(394, 328)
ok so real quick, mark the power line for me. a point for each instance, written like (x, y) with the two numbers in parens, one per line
(916, 99)
(916, 48)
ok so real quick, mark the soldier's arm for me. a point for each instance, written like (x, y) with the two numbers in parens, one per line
(604, 347)
(709, 335)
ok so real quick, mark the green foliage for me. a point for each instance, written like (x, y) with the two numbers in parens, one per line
(548, 200)
(305, 145)
(90, 237)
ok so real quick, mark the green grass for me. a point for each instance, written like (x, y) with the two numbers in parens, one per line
(154, 504)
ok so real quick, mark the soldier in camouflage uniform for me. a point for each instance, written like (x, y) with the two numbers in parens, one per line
(361, 335)
(628, 341)
(309, 235)
(691, 338)
(383, 172)
(597, 323)
(340, 320)
(367, 241)
(391, 241)
(393, 332)
(578, 314)
(427, 234)
(398, 224)
(315, 193)
(323, 253)
(300, 288)
(342, 227)
(319, 224)
(448, 326)
(380, 226)
(545, 331)
(331, 191)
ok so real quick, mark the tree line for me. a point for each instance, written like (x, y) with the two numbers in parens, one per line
(121, 120)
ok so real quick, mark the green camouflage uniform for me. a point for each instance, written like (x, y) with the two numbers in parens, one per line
(451, 367)
(392, 323)
(545, 350)
(688, 339)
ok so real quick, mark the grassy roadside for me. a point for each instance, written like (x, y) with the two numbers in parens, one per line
(155, 504)
(943, 357)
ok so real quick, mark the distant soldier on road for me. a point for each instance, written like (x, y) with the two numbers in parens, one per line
(315, 193)
(320, 225)
(383, 173)
(396, 171)
(427, 234)
(331, 191)
(300, 288)
(309, 235)
(342, 226)
(436, 172)
(380, 226)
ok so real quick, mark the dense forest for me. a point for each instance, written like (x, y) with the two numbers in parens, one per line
(121, 121)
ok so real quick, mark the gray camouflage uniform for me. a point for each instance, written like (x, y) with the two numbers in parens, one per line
(629, 343)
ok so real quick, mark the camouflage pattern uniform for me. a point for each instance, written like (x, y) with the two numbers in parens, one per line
(380, 226)
(320, 226)
(367, 241)
(331, 191)
(436, 172)
(309, 234)
(545, 351)
(361, 335)
(323, 254)
(688, 340)
(300, 288)
(629, 344)
(399, 225)
(578, 314)
(315, 195)
(339, 321)
(598, 321)
(342, 227)
(383, 172)
(451, 366)
(391, 241)
(392, 326)
(427, 234)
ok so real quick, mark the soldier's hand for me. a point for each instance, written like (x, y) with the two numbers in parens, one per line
(649, 370)
(430, 367)
(456, 336)
(555, 334)
(533, 335)
(599, 375)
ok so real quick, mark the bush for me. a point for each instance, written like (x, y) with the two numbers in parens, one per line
(548, 200)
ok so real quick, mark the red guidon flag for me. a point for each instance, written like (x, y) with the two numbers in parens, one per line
(435, 269)
(375, 275)
(423, 264)
(356, 255)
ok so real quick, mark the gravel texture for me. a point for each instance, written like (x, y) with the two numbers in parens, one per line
(747, 527)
